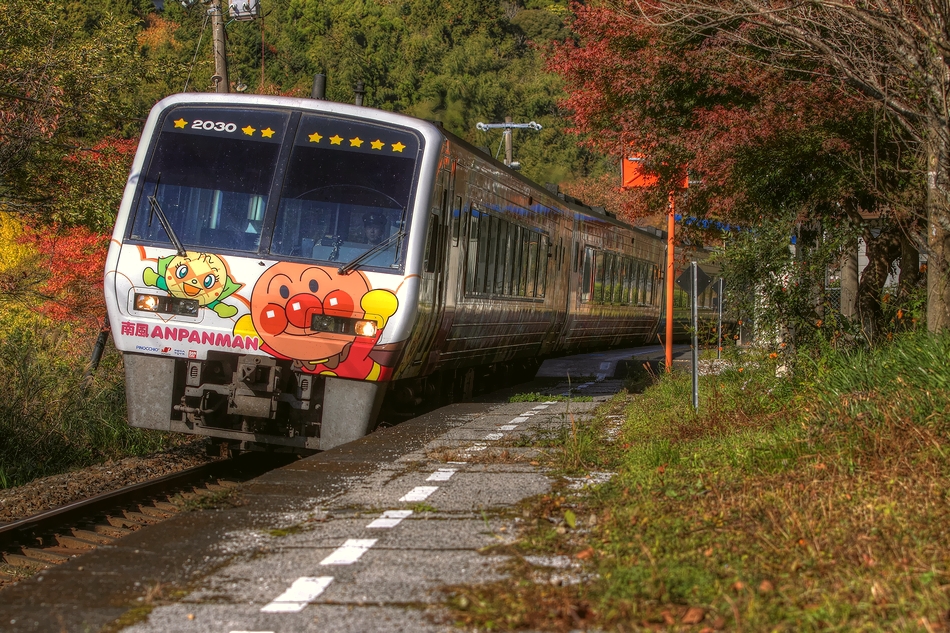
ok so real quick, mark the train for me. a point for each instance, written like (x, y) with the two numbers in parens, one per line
(284, 269)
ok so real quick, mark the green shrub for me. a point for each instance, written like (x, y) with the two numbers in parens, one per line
(50, 423)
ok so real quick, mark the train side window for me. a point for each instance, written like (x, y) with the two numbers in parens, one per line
(431, 261)
(525, 253)
(618, 279)
(513, 283)
(501, 264)
(472, 250)
(587, 275)
(494, 224)
(484, 237)
(457, 219)
(543, 251)
(654, 295)
(599, 270)
(628, 281)
(641, 283)
(647, 283)
(532, 264)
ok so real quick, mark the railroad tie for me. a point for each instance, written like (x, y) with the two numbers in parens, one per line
(166, 506)
(45, 555)
(141, 519)
(25, 562)
(75, 542)
(93, 537)
(124, 522)
(152, 511)
(111, 530)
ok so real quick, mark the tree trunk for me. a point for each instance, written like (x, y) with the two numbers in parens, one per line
(881, 252)
(910, 268)
(938, 237)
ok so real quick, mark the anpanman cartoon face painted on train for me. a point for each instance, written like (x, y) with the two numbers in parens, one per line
(327, 322)
(201, 276)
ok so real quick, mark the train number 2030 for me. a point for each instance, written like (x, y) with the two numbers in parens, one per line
(220, 126)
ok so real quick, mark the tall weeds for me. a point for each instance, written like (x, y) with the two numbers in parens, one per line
(48, 423)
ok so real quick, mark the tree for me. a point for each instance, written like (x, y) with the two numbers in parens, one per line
(57, 86)
(779, 143)
(887, 52)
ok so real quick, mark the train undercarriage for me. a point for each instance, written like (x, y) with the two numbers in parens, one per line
(251, 402)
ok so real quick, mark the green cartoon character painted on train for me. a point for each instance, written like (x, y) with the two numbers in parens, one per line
(204, 277)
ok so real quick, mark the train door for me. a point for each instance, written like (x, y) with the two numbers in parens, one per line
(450, 271)
(432, 295)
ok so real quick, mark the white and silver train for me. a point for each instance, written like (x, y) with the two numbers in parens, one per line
(283, 268)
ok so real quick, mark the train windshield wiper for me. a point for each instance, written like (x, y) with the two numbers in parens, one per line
(354, 264)
(163, 220)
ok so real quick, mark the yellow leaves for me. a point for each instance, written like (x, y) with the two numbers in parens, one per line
(13, 251)
(159, 32)
(570, 518)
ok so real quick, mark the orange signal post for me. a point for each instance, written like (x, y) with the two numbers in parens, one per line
(670, 250)
(634, 176)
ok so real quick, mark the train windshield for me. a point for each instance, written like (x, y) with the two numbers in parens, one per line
(211, 172)
(346, 193)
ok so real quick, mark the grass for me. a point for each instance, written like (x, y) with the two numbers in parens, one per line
(540, 397)
(52, 422)
(808, 504)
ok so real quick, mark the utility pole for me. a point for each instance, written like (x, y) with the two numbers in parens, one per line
(508, 126)
(220, 78)
(508, 150)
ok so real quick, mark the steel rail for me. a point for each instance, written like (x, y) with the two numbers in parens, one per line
(20, 531)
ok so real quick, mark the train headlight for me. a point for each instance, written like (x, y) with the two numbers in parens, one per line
(340, 325)
(165, 305)
(366, 328)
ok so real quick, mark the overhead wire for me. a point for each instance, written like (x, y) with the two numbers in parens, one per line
(197, 48)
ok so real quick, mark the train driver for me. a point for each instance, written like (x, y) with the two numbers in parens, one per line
(375, 227)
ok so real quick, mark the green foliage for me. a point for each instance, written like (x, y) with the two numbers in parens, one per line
(49, 423)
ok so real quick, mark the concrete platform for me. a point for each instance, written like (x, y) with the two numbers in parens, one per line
(363, 537)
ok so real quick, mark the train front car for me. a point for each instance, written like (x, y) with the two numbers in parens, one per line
(259, 281)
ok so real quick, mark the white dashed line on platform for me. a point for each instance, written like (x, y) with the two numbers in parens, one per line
(349, 552)
(519, 419)
(508, 427)
(390, 519)
(304, 591)
(443, 474)
(541, 407)
(491, 437)
(419, 493)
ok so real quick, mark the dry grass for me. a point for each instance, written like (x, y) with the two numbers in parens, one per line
(813, 505)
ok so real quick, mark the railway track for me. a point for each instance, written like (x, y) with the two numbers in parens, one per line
(58, 535)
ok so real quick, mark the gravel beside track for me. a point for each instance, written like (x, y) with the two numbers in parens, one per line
(50, 492)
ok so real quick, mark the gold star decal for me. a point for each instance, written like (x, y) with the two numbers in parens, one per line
(398, 147)
(248, 130)
(181, 123)
(356, 142)
(315, 137)
(336, 139)
(377, 144)
(267, 132)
